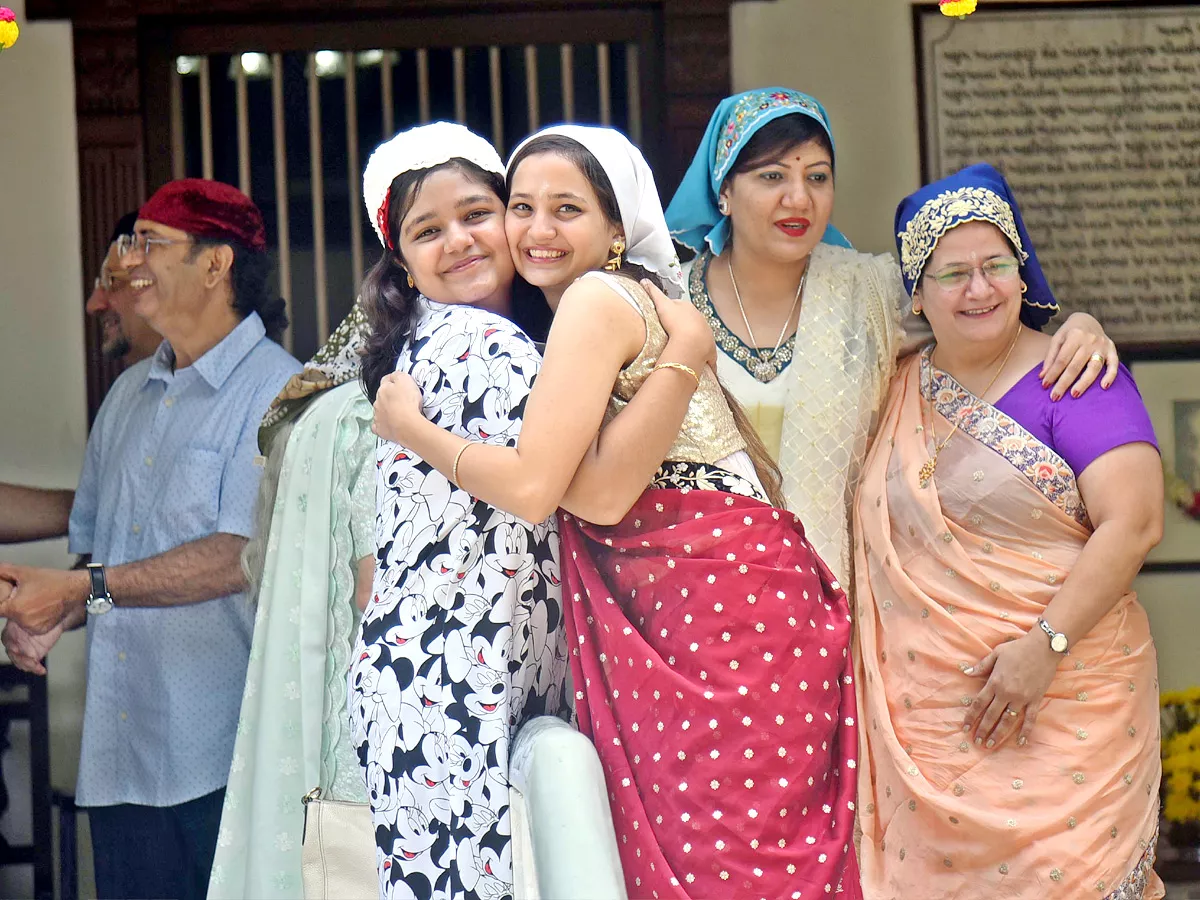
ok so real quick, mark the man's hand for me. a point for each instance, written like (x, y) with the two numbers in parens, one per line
(42, 598)
(27, 650)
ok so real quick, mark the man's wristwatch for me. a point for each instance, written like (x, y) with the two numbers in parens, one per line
(100, 600)
(1058, 640)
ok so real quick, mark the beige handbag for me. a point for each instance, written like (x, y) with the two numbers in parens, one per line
(337, 860)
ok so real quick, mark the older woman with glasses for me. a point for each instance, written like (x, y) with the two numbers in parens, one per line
(1007, 687)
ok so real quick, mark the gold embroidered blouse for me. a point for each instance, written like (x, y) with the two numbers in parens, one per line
(709, 433)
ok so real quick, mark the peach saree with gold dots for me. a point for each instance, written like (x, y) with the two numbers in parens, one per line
(944, 574)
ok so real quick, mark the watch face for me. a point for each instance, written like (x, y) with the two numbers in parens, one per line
(1058, 643)
(98, 605)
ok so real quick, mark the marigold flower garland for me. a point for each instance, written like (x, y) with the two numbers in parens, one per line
(9, 32)
(1182, 494)
(1181, 755)
(957, 8)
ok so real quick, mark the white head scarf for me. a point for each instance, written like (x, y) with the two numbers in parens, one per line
(648, 241)
(422, 147)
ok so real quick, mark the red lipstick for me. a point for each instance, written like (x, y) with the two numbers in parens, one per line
(794, 227)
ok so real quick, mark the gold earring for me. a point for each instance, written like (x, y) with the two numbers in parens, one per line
(1024, 287)
(916, 308)
(411, 283)
(617, 248)
(723, 206)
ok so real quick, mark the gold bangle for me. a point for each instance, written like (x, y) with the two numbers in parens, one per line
(681, 367)
(454, 471)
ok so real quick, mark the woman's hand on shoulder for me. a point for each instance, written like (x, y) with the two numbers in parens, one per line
(690, 336)
(1079, 352)
(397, 407)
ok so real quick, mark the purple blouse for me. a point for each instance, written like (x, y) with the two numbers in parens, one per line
(1080, 429)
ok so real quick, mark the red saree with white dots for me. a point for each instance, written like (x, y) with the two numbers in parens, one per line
(710, 655)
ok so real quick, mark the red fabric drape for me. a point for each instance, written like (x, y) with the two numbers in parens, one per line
(710, 655)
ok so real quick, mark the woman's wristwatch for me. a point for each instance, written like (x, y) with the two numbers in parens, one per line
(100, 600)
(1058, 640)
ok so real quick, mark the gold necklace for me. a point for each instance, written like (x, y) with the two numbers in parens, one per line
(925, 475)
(764, 370)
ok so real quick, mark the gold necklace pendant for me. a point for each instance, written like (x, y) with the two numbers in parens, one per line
(929, 467)
(925, 475)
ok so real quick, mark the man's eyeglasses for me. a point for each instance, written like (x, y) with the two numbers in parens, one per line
(996, 269)
(127, 243)
(108, 282)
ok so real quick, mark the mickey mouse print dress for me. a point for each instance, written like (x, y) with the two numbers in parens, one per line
(463, 639)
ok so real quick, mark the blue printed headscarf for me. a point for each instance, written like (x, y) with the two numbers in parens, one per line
(693, 216)
(977, 193)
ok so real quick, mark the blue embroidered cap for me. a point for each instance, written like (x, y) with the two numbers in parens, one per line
(977, 193)
(693, 216)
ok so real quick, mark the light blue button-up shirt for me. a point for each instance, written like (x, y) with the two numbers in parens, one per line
(171, 459)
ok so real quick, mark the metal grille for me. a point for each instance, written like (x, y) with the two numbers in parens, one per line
(292, 130)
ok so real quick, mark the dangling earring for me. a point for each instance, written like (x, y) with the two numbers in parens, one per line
(617, 248)
(408, 275)
(723, 206)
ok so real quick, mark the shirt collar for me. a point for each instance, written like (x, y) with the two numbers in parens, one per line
(216, 365)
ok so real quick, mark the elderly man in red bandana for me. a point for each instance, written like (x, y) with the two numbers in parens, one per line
(164, 506)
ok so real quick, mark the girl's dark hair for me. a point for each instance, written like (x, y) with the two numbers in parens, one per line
(387, 299)
(777, 137)
(251, 290)
(573, 151)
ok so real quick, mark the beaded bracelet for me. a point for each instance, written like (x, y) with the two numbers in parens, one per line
(681, 367)
(454, 471)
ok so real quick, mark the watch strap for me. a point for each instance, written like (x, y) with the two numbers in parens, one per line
(100, 600)
(99, 580)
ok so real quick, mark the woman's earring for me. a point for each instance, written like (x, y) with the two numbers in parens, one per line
(723, 206)
(617, 248)
(1024, 287)
(408, 275)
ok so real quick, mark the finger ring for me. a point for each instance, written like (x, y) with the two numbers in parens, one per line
(1012, 712)
(1097, 358)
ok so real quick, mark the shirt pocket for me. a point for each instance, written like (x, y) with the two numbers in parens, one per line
(192, 497)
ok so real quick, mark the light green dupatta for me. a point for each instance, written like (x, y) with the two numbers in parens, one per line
(292, 732)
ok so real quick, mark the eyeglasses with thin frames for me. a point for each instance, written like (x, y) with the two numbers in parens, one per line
(127, 243)
(108, 282)
(995, 270)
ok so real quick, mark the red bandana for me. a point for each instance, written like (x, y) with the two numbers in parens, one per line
(207, 209)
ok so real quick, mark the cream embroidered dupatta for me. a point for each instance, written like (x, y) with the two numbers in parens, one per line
(837, 373)
(944, 574)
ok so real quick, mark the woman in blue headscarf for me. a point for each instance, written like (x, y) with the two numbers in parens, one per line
(1006, 672)
(808, 330)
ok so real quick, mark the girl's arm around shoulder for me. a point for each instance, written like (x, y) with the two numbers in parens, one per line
(623, 459)
(595, 332)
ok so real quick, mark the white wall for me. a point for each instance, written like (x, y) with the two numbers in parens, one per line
(857, 58)
(43, 417)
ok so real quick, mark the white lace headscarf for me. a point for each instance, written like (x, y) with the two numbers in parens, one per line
(422, 147)
(647, 239)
